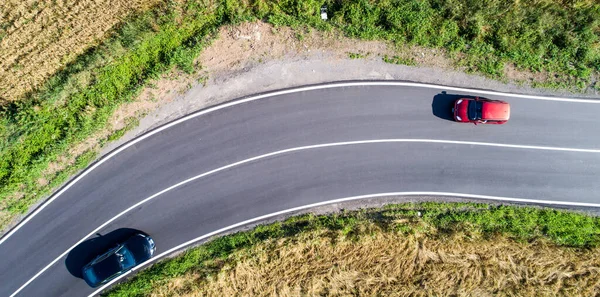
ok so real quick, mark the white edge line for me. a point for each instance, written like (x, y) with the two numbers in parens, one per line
(272, 94)
(295, 209)
(314, 147)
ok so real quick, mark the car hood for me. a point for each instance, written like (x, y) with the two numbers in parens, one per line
(140, 248)
(460, 110)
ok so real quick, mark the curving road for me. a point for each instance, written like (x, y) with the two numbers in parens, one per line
(266, 155)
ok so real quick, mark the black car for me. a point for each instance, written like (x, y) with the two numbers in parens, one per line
(119, 260)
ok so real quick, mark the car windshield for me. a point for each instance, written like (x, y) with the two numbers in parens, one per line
(140, 248)
(475, 110)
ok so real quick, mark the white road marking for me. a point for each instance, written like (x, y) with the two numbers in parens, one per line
(273, 94)
(295, 209)
(325, 145)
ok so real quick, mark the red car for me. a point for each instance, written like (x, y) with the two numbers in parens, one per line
(481, 111)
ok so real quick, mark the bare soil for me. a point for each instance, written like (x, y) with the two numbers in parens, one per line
(242, 45)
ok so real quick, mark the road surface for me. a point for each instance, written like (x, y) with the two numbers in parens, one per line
(265, 155)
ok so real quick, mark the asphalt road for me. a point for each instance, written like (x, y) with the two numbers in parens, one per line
(243, 190)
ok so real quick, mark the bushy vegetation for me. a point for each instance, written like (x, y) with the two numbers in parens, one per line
(436, 221)
(555, 36)
(558, 37)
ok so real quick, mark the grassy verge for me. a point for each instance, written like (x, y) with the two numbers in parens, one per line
(405, 232)
(556, 39)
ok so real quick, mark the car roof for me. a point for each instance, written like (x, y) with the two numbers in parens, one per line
(495, 110)
(107, 267)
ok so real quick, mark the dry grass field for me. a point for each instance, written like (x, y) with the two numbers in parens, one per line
(391, 264)
(442, 250)
(39, 37)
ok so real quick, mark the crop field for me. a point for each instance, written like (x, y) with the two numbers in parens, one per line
(66, 66)
(388, 264)
(428, 249)
(38, 38)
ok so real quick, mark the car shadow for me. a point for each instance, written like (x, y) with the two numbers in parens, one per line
(86, 251)
(442, 105)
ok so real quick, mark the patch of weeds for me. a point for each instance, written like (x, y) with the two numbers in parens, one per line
(152, 98)
(131, 123)
(203, 79)
(399, 60)
(357, 55)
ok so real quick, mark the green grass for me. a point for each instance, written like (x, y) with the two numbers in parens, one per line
(439, 220)
(559, 37)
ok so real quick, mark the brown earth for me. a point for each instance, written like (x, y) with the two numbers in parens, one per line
(249, 43)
